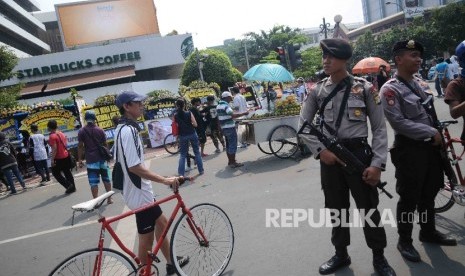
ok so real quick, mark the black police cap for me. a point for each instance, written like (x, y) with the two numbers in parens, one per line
(338, 48)
(408, 45)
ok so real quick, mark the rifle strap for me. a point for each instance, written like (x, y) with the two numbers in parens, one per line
(348, 82)
(430, 111)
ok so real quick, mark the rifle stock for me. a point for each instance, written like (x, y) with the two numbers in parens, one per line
(352, 163)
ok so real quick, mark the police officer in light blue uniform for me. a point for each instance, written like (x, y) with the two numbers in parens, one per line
(348, 122)
(416, 152)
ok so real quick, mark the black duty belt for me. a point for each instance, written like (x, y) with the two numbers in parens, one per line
(354, 141)
(401, 140)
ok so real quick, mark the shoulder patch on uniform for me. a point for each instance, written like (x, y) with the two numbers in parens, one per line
(390, 97)
(375, 93)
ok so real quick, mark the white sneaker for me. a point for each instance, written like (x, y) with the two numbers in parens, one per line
(188, 169)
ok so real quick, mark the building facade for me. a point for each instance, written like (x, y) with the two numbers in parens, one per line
(20, 30)
(375, 10)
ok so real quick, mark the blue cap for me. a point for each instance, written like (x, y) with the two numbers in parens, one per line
(128, 96)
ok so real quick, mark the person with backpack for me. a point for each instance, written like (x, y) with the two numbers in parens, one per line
(90, 138)
(136, 179)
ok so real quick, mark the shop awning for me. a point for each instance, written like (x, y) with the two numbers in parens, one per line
(78, 80)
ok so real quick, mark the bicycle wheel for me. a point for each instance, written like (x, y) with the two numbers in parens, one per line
(82, 263)
(264, 146)
(283, 141)
(210, 259)
(171, 144)
(444, 199)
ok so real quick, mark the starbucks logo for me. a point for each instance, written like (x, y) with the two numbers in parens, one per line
(187, 47)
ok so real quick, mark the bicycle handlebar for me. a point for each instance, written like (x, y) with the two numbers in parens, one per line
(445, 123)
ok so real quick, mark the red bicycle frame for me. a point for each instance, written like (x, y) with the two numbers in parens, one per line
(455, 158)
(150, 257)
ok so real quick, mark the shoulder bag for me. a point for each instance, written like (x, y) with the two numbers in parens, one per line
(103, 150)
(174, 126)
(71, 159)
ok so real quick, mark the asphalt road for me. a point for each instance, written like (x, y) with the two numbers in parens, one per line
(35, 231)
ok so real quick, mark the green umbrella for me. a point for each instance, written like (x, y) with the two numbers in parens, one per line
(268, 72)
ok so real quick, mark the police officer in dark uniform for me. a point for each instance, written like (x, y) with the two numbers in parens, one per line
(415, 154)
(348, 123)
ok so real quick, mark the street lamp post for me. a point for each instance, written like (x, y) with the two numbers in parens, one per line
(199, 64)
(246, 54)
(395, 3)
(324, 28)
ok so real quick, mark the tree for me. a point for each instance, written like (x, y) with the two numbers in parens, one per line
(311, 59)
(8, 95)
(217, 68)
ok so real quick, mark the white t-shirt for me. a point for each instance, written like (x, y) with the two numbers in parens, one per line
(239, 103)
(301, 93)
(40, 153)
(133, 148)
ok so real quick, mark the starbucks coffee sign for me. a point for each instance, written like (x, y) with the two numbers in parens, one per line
(77, 65)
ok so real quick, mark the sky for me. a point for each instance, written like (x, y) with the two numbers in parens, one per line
(212, 21)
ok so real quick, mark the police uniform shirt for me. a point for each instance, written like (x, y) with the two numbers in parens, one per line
(404, 111)
(363, 102)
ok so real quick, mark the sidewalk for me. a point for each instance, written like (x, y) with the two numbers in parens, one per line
(34, 181)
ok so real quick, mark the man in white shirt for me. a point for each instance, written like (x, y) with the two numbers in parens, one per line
(137, 187)
(239, 106)
(39, 149)
(301, 90)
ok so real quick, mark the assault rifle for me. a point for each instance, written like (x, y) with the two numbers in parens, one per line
(447, 166)
(352, 163)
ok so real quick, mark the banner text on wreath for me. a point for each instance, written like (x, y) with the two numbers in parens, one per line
(65, 120)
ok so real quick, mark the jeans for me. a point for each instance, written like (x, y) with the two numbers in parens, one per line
(8, 172)
(42, 169)
(184, 149)
(231, 139)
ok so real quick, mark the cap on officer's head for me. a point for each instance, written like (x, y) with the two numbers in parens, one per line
(409, 45)
(336, 47)
(128, 96)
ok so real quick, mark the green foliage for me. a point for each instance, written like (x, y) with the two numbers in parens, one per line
(8, 61)
(438, 30)
(66, 101)
(217, 68)
(158, 94)
(9, 96)
(311, 59)
(237, 75)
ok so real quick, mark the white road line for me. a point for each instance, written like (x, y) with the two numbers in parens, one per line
(47, 232)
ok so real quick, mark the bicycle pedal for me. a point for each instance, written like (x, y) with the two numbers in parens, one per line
(154, 257)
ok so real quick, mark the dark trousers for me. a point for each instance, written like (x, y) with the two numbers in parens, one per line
(336, 185)
(42, 169)
(62, 172)
(437, 85)
(419, 176)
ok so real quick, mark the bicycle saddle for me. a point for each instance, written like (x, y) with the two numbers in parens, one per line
(93, 203)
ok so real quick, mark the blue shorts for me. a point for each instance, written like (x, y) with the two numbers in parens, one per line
(97, 170)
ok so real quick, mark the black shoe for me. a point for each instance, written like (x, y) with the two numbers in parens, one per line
(382, 266)
(438, 238)
(171, 269)
(409, 252)
(71, 189)
(334, 264)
